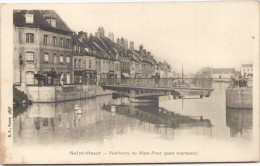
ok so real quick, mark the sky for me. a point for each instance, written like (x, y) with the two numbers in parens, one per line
(194, 34)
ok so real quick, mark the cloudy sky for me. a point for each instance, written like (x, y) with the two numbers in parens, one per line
(193, 34)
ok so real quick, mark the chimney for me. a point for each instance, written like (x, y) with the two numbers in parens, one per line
(126, 43)
(82, 35)
(132, 45)
(122, 41)
(99, 32)
(111, 36)
(141, 48)
(149, 53)
(102, 32)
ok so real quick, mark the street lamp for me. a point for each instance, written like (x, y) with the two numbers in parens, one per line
(21, 63)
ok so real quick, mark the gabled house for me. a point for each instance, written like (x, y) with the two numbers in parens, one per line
(83, 60)
(147, 64)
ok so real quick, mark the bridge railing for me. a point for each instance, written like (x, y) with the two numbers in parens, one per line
(160, 83)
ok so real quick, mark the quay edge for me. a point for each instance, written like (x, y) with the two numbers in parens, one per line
(241, 98)
(51, 94)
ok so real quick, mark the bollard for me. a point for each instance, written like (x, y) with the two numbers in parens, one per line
(79, 111)
(113, 108)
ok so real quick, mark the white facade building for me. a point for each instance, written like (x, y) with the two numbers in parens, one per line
(223, 74)
(247, 70)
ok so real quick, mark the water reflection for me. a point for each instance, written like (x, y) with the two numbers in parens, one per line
(58, 122)
(104, 118)
(160, 118)
(240, 122)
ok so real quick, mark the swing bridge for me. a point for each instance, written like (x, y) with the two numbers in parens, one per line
(150, 89)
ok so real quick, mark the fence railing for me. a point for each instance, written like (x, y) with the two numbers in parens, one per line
(162, 82)
(144, 82)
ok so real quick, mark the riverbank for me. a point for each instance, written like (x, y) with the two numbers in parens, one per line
(50, 94)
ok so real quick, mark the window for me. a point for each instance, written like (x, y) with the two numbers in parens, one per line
(68, 59)
(62, 78)
(116, 66)
(68, 78)
(84, 64)
(54, 41)
(29, 18)
(98, 65)
(46, 57)
(90, 64)
(29, 78)
(81, 50)
(79, 65)
(61, 59)
(54, 58)
(61, 42)
(51, 21)
(68, 43)
(45, 39)
(29, 37)
(75, 48)
(29, 57)
(75, 63)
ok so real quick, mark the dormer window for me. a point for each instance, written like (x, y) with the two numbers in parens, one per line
(28, 18)
(51, 21)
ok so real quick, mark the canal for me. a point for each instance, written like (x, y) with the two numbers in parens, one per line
(192, 124)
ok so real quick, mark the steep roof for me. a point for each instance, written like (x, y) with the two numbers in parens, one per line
(247, 65)
(223, 70)
(39, 20)
(76, 41)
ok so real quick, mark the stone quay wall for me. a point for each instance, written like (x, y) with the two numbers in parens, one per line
(49, 94)
(239, 98)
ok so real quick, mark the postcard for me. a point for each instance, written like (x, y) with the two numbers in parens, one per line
(130, 82)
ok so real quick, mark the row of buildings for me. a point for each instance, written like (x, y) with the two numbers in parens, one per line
(43, 43)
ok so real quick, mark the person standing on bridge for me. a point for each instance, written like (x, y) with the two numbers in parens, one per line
(155, 79)
(158, 80)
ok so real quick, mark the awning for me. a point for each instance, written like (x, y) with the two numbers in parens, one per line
(90, 72)
(78, 73)
(126, 75)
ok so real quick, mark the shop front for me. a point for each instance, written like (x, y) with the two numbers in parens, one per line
(90, 77)
(78, 77)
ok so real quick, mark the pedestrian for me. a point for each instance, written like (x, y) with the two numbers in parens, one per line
(62, 79)
(158, 77)
(240, 81)
(232, 82)
(244, 81)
